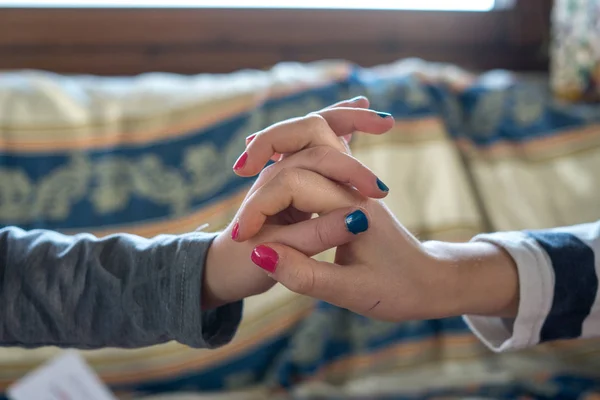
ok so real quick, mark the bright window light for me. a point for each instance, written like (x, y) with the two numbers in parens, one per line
(444, 5)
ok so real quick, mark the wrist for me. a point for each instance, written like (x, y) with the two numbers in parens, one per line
(213, 295)
(482, 278)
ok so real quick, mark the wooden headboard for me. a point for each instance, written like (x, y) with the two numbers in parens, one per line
(131, 41)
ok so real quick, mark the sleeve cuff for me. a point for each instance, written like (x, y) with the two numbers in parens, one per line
(189, 324)
(536, 290)
(220, 325)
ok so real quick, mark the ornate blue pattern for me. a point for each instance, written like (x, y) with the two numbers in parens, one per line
(174, 177)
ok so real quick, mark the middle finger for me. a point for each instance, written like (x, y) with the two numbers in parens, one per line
(297, 134)
(302, 189)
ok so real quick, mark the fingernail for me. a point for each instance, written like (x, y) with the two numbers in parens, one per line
(382, 186)
(250, 138)
(357, 222)
(239, 164)
(384, 115)
(235, 231)
(265, 257)
(355, 99)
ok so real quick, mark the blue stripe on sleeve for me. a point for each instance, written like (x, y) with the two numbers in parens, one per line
(575, 287)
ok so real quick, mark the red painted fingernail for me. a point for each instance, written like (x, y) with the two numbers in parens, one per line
(265, 257)
(250, 138)
(235, 231)
(239, 164)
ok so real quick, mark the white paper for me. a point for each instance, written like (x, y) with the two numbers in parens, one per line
(67, 377)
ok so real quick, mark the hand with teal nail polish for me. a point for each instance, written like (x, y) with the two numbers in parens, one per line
(372, 246)
(330, 128)
(322, 137)
(315, 175)
(230, 274)
(382, 271)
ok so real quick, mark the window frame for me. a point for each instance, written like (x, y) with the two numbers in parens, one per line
(132, 41)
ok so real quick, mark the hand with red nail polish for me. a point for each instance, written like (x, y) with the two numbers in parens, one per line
(384, 273)
(230, 271)
(372, 268)
(315, 170)
(230, 274)
(329, 128)
(323, 137)
(313, 177)
(380, 269)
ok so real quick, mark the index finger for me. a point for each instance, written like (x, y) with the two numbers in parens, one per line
(317, 129)
(306, 191)
(337, 166)
(356, 102)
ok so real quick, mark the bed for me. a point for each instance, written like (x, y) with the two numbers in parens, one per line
(152, 154)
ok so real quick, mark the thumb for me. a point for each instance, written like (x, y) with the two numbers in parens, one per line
(325, 281)
(325, 232)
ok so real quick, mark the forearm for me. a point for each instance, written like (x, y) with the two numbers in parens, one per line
(119, 291)
(485, 279)
(543, 285)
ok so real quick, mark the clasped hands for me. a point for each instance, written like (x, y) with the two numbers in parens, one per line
(380, 269)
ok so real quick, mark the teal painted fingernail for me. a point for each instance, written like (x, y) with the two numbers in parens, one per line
(357, 222)
(382, 186)
(384, 115)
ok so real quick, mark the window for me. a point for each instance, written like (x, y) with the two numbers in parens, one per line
(228, 35)
(454, 5)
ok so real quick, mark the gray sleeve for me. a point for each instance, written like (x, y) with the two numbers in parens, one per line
(118, 291)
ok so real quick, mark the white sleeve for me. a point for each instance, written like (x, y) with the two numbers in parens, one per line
(558, 286)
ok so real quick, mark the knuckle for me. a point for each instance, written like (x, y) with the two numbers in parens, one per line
(263, 178)
(323, 233)
(269, 171)
(291, 178)
(302, 281)
(321, 132)
(317, 122)
(318, 154)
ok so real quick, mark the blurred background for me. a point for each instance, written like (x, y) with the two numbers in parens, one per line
(126, 116)
(94, 36)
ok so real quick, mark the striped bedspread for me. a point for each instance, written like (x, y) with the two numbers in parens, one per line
(153, 154)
